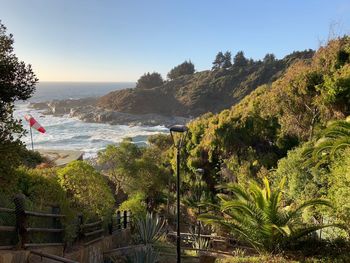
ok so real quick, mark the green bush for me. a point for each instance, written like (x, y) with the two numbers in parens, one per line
(41, 187)
(257, 215)
(135, 204)
(31, 158)
(340, 186)
(87, 188)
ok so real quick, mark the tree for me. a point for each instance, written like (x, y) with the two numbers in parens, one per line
(136, 170)
(219, 60)
(269, 58)
(240, 60)
(149, 80)
(186, 68)
(87, 188)
(227, 61)
(257, 215)
(17, 82)
(119, 163)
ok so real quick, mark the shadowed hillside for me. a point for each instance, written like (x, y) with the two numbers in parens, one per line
(201, 92)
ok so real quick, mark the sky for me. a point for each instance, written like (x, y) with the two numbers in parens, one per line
(119, 40)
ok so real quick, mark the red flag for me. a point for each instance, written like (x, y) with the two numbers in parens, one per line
(33, 123)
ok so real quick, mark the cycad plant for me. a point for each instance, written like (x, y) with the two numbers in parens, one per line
(257, 215)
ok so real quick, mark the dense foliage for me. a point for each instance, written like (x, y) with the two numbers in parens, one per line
(149, 80)
(137, 171)
(294, 129)
(257, 215)
(289, 123)
(185, 68)
(205, 91)
(17, 82)
(222, 60)
(87, 189)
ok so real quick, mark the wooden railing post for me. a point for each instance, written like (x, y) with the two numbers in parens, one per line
(56, 222)
(80, 226)
(129, 218)
(21, 220)
(110, 226)
(125, 220)
(118, 220)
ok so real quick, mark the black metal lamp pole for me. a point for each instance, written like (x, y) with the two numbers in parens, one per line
(178, 143)
(178, 237)
(200, 172)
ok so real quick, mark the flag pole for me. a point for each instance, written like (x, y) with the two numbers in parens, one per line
(31, 137)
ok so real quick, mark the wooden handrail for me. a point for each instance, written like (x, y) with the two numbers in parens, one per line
(7, 210)
(43, 244)
(6, 247)
(51, 230)
(93, 232)
(123, 248)
(40, 214)
(7, 228)
(92, 224)
(190, 235)
(54, 257)
(93, 241)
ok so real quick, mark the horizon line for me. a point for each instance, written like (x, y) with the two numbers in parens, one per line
(86, 81)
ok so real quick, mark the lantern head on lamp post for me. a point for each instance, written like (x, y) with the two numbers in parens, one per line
(178, 134)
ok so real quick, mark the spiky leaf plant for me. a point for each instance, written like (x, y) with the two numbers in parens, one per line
(147, 254)
(149, 228)
(257, 215)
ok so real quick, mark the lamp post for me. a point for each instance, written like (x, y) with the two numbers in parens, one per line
(199, 175)
(178, 134)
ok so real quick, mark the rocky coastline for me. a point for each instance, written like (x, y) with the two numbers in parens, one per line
(87, 110)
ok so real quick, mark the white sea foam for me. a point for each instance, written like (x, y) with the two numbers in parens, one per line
(72, 134)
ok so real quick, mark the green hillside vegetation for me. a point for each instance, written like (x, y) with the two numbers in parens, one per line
(191, 94)
(290, 137)
(276, 164)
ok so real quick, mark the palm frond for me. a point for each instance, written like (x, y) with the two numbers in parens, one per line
(308, 230)
(313, 202)
(256, 215)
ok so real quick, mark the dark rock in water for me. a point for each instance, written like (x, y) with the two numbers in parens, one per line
(87, 111)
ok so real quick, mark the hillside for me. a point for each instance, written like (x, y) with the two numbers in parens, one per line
(242, 142)
(201, 92)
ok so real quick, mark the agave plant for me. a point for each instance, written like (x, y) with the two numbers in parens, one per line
(147, 254)
(257, 215)
(198, 242)
(149, 228)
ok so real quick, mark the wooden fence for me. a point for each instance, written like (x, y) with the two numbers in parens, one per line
(23, 228)
(22, 232)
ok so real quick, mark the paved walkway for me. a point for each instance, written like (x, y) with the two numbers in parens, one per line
(61, 157)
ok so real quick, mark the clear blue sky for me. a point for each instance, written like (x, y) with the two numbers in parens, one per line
(112, 40)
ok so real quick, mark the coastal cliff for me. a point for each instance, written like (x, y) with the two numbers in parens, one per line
(180, 99)
(194, 94)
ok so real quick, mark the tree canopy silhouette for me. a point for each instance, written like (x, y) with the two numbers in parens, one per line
(185, 68)
(149, 80)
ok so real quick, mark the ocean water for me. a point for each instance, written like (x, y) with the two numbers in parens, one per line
(66, 133)
(75, 90)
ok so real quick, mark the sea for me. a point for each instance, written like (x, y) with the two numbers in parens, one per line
(65, 133)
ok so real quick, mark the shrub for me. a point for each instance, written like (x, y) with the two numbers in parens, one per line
(135, 204)
(257, 215)
(88, 189)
